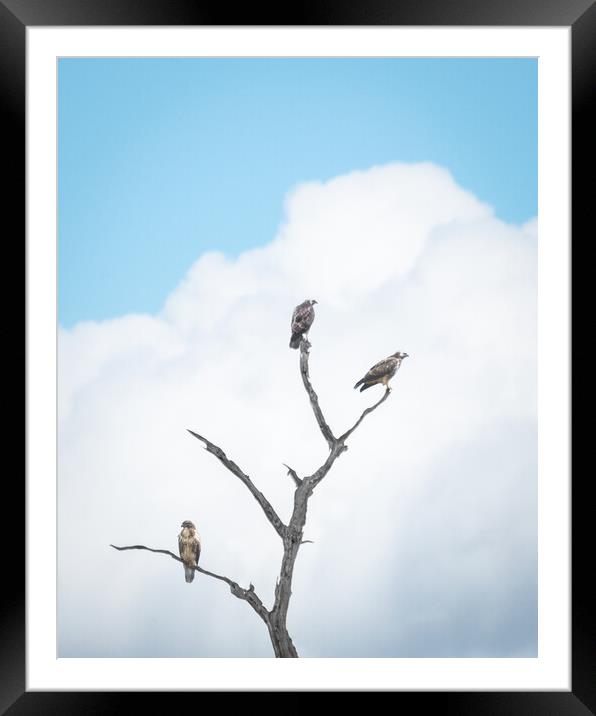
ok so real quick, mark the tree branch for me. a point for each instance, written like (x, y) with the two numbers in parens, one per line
(336, 445)
(247, 595)
(364, 414)
(293, 475)
(292, 534)
(270, 513)
(339, 447)
(314, 400)
(313, 480)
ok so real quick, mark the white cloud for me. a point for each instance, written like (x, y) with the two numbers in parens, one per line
(425, 530)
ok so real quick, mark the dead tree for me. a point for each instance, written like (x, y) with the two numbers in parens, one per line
(290, 534)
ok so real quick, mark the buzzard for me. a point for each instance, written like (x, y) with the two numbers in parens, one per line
(302, 319)
(382, 371)
(189, 547)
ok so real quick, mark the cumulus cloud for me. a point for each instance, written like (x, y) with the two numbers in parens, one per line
(425, 530)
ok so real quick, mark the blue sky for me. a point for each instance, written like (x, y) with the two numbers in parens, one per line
(161, 160)
(429, 248)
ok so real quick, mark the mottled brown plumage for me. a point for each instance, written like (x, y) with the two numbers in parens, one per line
(189, 547)
(302, 319)
(382, 371)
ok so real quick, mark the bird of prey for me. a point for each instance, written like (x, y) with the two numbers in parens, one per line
(382, 371)
(189, 547)
(302, 319)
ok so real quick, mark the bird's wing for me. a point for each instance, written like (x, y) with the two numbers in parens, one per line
(379, 370)
(299, 308)
(196, 549)
(180, 546)
(302, 317)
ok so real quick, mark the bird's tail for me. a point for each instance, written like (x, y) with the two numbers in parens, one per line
(365, 386)
(189, 573)
(359, 383)
(295, 340)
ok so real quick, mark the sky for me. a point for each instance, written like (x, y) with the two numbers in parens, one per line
(410, 216)
(163, 159)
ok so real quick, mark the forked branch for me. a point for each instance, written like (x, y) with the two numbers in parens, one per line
(336, 445)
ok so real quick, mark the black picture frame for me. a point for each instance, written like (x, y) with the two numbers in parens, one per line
(580, 15)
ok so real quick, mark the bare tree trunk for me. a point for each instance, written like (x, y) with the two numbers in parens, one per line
(283, 647)
(283, 588)
(291, 534)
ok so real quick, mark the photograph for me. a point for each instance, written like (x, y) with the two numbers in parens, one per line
(297, 357)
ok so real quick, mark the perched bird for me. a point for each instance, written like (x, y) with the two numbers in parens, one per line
(382, 372)
(189, 547)
(302, 319)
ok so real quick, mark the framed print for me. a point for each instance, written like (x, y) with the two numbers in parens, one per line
(392, 188)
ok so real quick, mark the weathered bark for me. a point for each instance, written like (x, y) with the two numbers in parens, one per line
(291, 534)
